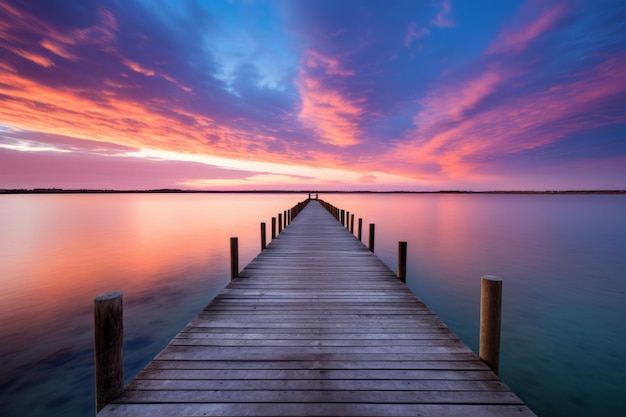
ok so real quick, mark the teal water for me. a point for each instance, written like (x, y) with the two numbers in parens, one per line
(563, 262)
(561, 258)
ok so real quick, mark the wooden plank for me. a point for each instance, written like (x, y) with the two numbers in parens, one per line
(409, 396)
(314, 409)
(316, 384)
(316, 325)
(460, 364)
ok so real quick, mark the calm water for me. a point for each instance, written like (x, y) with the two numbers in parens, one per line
(561, 258)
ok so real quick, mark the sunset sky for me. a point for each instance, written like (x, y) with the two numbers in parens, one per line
(313, 94)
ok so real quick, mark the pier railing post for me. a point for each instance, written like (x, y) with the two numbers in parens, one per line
(490, 321)
(273, 228)
(234, 258)
(263, 241)
(108, 347)
(402, 261)
(371, 246)
(352, 223)
(360, 235)
(280, 222)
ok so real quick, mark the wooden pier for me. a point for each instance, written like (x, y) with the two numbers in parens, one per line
(316, 325)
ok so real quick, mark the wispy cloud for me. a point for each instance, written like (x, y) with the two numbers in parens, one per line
(466, 121)
(460, 133)
(332, 113)
(442, 18)
(414, 32)
(517, 39)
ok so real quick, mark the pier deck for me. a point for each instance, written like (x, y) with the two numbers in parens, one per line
(316, 325)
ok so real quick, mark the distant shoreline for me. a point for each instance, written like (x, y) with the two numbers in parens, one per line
(176, 191)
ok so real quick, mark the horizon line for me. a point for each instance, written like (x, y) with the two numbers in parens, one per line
(278, 191)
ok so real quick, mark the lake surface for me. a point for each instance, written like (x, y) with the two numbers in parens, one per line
(561, 258)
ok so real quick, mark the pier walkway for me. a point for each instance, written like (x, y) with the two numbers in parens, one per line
(316, 325)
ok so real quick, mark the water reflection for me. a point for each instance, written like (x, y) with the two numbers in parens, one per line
(168, 254)
(561, 258)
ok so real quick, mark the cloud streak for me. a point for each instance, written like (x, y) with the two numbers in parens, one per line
(442, 18)
(466, 122)
(333, 114)
(517, 39)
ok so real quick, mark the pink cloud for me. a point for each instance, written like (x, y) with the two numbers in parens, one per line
(517, 39)
(38, 59)
(135, 66)
(102, 113)
(326, 109)
(58, 48)
(330, 65)
(457, 142)
(103, 32)
(53, 40)
(450, 104)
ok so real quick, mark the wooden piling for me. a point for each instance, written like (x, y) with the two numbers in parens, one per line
(490, 321)
(402, 261)
(360, 236)
(352, 223)
(234, 258)
(280, 222)
(108, 347)
(371, 245)
(263, 241)
(273, 228)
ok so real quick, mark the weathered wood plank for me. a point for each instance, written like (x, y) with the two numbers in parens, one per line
(466, 363)
(316, 384)
(408, 396)
(323, 374)
(315, 409)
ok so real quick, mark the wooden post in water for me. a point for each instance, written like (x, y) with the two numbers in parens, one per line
(371, 246)
(352, 223)
(285, 219)
(273, 228)
(263, 242)
(234, 258)
(108, 347)
(343, 217)
(490, 321)
(360, 236)
(280, 222)
(402, 261)
(347, 220)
